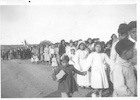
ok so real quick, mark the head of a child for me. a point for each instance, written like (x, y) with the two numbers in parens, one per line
(98, 47)
(89, 40)
(125, 49)
(72, 51)
(113, 36)
(123, 31)
(65, 61)
(108, 45)
(75, 43)
(132, 30)
(63, 42)
(82, 46)
(71, 43)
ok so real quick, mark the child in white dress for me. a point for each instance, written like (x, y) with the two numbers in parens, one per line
(54, 62)
(72, 57)
(80, 58)
(52, 50)
(97, 61)
(34, 59)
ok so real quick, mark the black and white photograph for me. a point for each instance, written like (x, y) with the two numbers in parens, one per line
(68, 49)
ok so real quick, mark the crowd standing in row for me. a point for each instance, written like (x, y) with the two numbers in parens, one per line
(98, 65)
(16, 53)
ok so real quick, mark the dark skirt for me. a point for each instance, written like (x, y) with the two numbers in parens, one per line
(67, 84)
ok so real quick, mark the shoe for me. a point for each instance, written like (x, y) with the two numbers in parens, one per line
(93, 95)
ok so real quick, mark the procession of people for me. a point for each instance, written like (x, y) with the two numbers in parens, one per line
(96, 65)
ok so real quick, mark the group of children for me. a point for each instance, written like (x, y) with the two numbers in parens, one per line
(49, 55)
(91, 64)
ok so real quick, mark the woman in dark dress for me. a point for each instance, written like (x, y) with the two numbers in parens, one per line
(62, 48)
(67, 84)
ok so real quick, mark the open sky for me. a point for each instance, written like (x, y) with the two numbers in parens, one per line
(55, 22)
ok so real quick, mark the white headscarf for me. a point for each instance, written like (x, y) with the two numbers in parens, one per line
(80, 42)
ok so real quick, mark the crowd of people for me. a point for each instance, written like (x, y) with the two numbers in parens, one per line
(16, 53)
(99, 65)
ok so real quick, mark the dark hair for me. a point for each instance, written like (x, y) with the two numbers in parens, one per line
(65, 57)
(71, 41)
(98, 43)
(83, 44)
(123, 45)
(131, 25)
(109, 42)
(88, 40)
(123, 28)
(112, 35)
(62, 41)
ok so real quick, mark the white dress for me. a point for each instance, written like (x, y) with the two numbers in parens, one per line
(34, 59)
(98, 75)
(68, 49)
(54, 62)
(80, 58)
(52, 51)
(46, 54)
(72, 58)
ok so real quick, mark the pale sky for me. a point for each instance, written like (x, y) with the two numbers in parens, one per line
(56, 22)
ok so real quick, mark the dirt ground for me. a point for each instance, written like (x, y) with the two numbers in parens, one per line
(22, 79)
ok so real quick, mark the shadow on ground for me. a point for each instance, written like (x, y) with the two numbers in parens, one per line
(56, 94)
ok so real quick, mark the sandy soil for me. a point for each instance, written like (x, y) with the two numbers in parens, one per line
(22, 79)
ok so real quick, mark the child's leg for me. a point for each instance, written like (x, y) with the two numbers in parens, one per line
(70, 94)
(64, 94)
(96, 91)
(47, 62)
(100, 92)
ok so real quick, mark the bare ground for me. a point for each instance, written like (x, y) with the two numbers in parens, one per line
(22, 79)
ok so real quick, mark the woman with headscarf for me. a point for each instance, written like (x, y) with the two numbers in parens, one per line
(80, 58)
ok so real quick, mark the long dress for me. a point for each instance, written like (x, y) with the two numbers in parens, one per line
(97, 62)
(46, 54)
(61, 50)
(80, 58)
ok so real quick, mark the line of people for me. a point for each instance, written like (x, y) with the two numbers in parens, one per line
(16, 53)
(98, 66)
(111, 65)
